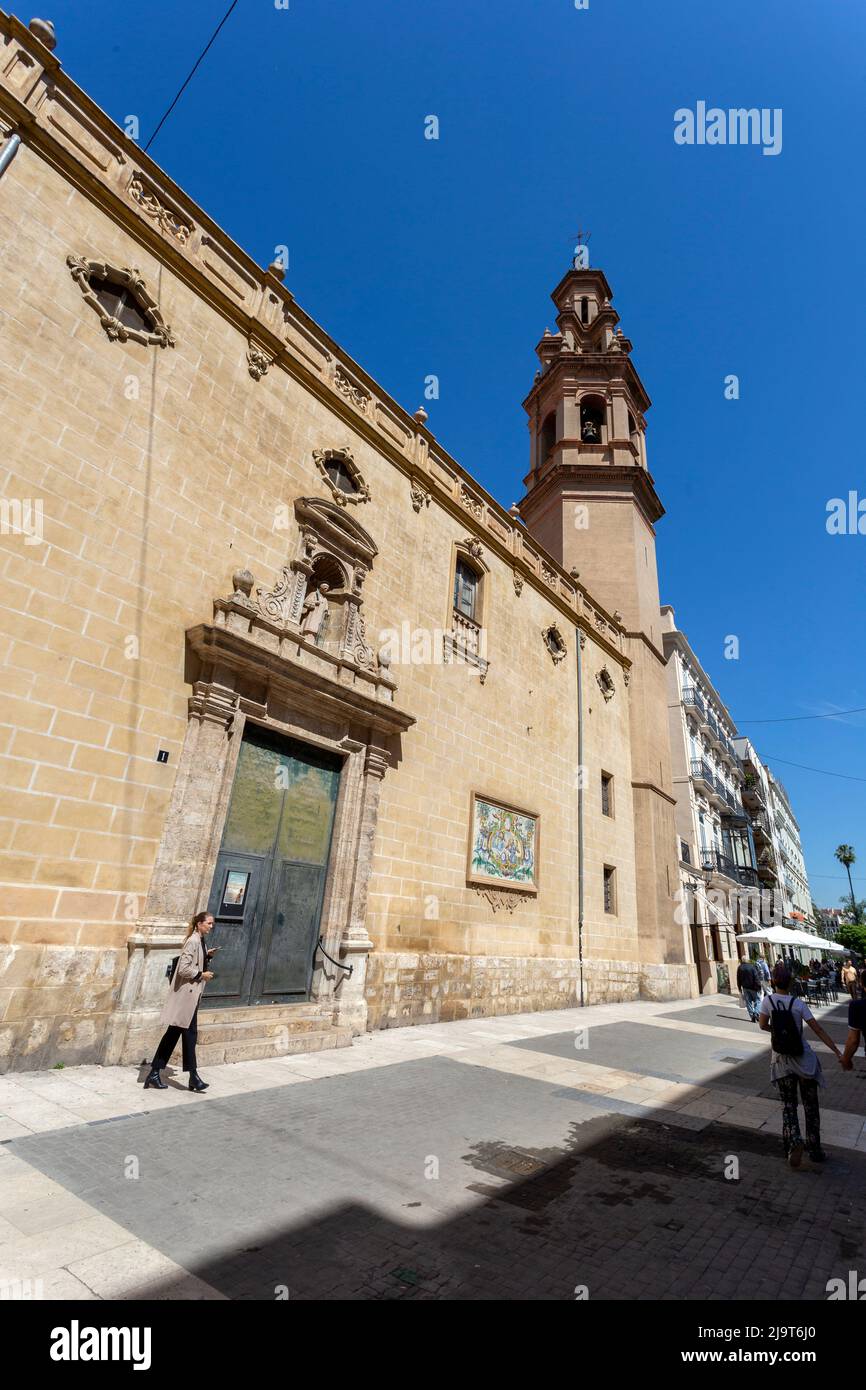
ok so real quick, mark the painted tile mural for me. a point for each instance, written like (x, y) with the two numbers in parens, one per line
(503, 845)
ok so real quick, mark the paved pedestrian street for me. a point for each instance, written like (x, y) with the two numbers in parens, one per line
(618, 1152)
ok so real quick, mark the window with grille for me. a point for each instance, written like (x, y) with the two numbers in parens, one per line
(609, 889)
(606, 794)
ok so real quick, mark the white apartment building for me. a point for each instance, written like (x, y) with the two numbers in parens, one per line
(795, 883)
(718, 870)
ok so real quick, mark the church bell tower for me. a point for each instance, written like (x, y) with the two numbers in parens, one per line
(591, 502)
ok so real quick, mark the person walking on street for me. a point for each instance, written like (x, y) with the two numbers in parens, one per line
(764, 972)
(849, 978)
(856, 1025)
(749, 981)
(180, 1013)
(793, 1064)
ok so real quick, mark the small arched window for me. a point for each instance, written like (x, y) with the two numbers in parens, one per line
(584, 310)
(466, 585)
(547, 438)
(592, 417)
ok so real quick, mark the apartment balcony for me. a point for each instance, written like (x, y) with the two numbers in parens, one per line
(702, 775)
(693, 702)
(761, 827)
(719, 865)
(735, 812)
(753, 796)
(768, 873)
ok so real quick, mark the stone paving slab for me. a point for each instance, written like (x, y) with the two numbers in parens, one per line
(324, 1189)
(555, 1167)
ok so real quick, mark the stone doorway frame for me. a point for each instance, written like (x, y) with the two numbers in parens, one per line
(254, 667)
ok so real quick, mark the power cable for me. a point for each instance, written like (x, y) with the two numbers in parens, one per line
(848, 777)
(192, 72)
(794, 718)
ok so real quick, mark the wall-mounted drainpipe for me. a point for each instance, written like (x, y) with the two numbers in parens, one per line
(8, 152)
(578, 635)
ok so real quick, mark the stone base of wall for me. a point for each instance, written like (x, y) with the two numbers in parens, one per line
(662, 982)
(414, 987)
(55, 1004)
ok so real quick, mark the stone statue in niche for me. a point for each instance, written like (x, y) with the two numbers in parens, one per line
(314, 612)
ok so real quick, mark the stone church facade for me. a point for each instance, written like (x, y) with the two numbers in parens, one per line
(268, 650)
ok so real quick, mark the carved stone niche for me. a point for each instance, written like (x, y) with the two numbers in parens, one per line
(319, 594)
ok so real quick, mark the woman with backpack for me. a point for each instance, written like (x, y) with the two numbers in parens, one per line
(181, 1007)
(793, 1064)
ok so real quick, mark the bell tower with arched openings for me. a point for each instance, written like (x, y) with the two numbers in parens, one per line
(591, 502)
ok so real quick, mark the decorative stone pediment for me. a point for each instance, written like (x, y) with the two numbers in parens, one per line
(331, 525)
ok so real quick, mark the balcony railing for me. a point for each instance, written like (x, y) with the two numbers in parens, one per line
(702, 772)
(467, 634)
(753, 794)
(761, 825)
(714, 862)
(694, 700)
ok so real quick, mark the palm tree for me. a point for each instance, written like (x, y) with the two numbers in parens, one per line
(845, 854)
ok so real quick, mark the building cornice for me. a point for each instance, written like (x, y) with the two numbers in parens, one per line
(678, 639)
(625, 481)
(59, 122)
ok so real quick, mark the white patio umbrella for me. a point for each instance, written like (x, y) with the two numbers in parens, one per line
(788, 936)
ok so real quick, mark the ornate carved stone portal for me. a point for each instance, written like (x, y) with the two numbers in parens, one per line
(256, 662)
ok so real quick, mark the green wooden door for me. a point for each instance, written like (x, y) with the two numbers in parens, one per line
(270, 876)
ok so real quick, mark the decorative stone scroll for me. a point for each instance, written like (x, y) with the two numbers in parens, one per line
(499, 900)
(153, 204)
(356, 394)
(472, 503)
(420, 496)
(258, 361)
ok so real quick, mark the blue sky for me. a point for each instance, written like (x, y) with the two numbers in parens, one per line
(305, 127)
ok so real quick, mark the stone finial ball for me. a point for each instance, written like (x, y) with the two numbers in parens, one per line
(43, 30)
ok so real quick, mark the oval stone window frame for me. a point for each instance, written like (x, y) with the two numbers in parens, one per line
(555, 643)
(84, 271)
(322, 457)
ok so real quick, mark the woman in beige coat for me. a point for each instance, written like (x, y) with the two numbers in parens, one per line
(181, 1007)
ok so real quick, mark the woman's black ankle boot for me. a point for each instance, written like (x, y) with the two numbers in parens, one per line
(196, 1083)
(154, 1079)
